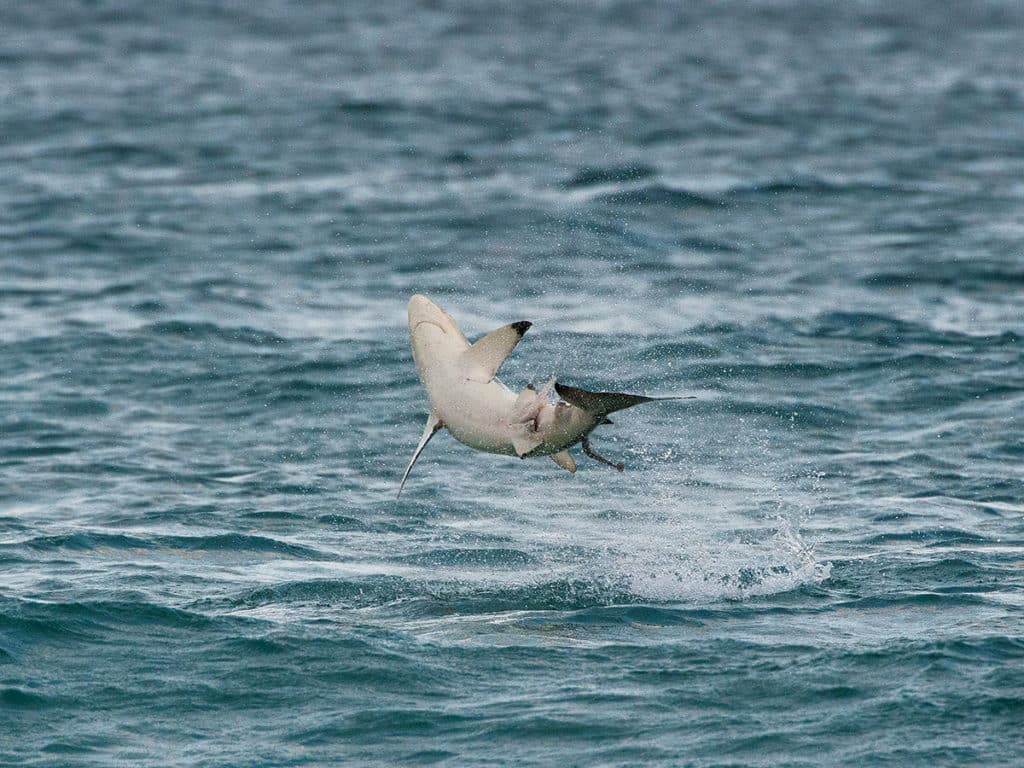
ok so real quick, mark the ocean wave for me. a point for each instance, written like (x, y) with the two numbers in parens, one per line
(490, 557)
(205, 331)
(818, 187)
(349, 593)
(245, 543)
(929, 536)
(87, 541)
(598, 176)
(657, 195)
(963, 276)
(72, 621)
(890, 331)
(21, 699)
(95, 541)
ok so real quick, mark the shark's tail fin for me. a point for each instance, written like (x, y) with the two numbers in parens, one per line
(602, 403)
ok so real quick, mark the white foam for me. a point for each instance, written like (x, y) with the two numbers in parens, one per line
(656, 535)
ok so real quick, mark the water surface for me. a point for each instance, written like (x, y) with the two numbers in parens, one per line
(807, 216)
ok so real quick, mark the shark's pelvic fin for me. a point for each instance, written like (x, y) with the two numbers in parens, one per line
(487, 353)
(602, 403)
(525, 408)
(565, 460)
(433, 425)
(525, 442)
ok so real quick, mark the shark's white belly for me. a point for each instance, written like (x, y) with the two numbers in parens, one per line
(475, 413)
(482, 416)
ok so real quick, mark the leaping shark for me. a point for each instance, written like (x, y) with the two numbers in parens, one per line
(478, 410)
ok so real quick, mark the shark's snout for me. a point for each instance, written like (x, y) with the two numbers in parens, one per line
(423, 310)
(421, 304)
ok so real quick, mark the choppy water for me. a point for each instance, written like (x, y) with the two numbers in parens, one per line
(810, 217)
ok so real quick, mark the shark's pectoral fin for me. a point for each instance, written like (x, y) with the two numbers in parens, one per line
(565, 460)
(433, 425)
(487, 353)
(525, 442)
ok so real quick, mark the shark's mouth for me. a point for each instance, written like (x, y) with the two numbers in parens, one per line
(428, 322)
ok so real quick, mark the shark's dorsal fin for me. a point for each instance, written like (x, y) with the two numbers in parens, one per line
(602, 403)
(433, 424)
(487, 353)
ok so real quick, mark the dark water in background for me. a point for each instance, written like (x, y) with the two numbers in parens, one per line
(210, 222)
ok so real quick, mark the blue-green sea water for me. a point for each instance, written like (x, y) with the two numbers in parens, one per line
(809, 215)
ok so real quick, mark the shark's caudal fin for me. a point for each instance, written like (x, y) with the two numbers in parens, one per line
(487, 353)
(433, 424)
(603, 403)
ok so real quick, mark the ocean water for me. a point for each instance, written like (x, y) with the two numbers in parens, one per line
(810, 216)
